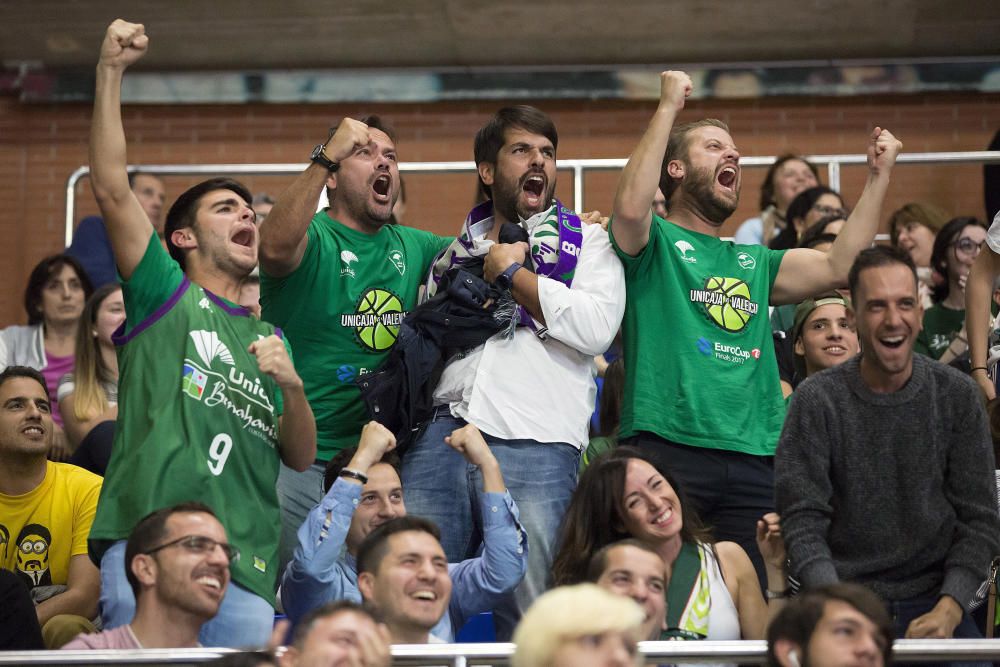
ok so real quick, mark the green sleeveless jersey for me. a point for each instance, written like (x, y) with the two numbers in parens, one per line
(341, 310)
(700, 368)
(197, 420)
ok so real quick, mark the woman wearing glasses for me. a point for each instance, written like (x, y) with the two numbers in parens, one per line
(955, 249)
(808, 208)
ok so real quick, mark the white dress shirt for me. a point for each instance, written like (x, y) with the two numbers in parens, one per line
(524, 387)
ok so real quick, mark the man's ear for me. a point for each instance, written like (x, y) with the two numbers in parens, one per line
(331, 181)
(676, 169)
(144, 568)
(366, 585)
(487, 171)
(787, 653)
(184, 238)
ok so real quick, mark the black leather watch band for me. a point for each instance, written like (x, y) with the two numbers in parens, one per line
(320, 158)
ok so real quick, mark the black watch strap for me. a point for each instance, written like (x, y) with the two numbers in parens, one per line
(319, 157)
(506, 279)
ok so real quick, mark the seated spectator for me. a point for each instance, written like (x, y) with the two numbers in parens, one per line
(624, 494)
(91, 245)
(177, 563)
(19, 629)
(46, 510)
(54, 298)
(828, 225)
(913, 228)
(955, 250)
(884, 468)
(403, 576)
(89, 395)
(609, 413)
(786, 178)
(783, 316)
(579, 626)
(840, 624)
(822, 335)
(805, 210)
(339, 633)
(363, 493)
(633, 568)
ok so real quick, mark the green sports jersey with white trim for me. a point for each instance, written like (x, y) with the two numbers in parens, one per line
(197, 420)
(700, 368)
(341, 310)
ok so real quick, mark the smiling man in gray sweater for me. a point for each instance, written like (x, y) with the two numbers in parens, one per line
(884, 470)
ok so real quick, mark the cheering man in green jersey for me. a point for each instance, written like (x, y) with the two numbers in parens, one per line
(209, 400)
(338, 283)
(702, 390)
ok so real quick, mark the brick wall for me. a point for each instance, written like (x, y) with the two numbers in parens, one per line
(41, 145)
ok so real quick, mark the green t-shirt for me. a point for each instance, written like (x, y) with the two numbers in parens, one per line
(699, 361)
(341, 310)
(941, 324)
(197, 420)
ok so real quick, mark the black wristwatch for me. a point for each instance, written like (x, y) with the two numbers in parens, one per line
(506, 279)
(320, 158)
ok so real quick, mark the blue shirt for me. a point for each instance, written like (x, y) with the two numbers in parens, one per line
(322, 571)
(93, 249)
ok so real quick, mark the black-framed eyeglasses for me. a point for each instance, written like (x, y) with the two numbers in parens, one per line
(967, 246)
(200, 544)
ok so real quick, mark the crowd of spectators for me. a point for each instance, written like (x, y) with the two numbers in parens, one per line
(383, 433)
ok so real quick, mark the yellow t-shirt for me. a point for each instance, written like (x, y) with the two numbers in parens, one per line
(42, 529)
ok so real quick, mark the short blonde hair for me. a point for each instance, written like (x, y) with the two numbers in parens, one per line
(568, 612)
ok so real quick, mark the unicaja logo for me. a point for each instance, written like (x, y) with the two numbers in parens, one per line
(347, 257)
(685, 248)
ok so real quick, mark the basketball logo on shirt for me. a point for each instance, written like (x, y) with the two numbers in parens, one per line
(376, 322)
(727, 302)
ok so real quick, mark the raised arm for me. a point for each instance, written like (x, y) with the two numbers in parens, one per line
(978, 291)
(283, 234)
(632, 213)
(128, 226)
(805, 272)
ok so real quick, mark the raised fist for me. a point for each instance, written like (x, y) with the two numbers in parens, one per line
(675, 87)
(124, 43)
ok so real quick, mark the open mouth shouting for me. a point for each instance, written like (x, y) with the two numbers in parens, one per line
(728, 178)
(533, 189)
(381, 187)
(245, 236)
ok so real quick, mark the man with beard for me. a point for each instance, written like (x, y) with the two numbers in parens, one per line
(209, 400)
(701, 391)
(884, 471)
(46, 511)
(338, 282)
(178, 564)
(530, 391)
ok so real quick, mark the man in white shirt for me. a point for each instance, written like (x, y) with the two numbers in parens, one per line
(530, 393)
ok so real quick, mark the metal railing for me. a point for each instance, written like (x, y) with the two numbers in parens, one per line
(462, 655)
(578, 167)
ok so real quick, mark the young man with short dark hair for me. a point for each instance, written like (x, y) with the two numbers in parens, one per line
(46, 511)
(634, 569)
(884, 470)
(363, 493)
(840, 625)
(339, 634)
(210, 402)
(177, 564)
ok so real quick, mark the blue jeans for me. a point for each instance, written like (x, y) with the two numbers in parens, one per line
(244, 619)
(298, 493)
(440, 485)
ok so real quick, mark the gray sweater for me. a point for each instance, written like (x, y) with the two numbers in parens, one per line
(894, 491)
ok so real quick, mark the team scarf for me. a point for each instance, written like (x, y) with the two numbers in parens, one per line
(688, 595)
(555, 238)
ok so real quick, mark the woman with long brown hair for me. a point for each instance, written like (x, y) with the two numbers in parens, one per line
(714, 592)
